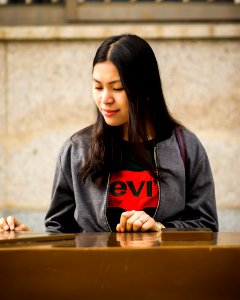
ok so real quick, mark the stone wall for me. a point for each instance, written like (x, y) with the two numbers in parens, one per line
(45, 96)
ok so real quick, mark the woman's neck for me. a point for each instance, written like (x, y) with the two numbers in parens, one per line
(150, 133)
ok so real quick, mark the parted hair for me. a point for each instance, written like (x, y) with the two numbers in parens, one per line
(139, 73)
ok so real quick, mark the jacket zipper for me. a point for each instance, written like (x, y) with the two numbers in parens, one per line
(159, 197)
(106, 203)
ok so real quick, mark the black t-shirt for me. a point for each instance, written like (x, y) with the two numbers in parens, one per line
(133, 187)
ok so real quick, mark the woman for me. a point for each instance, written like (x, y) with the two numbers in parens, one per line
(125, 172)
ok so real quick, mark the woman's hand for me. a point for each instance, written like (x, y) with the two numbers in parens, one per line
(12, 224)
(137, 221)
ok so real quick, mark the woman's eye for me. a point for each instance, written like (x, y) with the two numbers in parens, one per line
(98, 88)
(119, 89)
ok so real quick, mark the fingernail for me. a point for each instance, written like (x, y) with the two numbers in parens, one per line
(6, 227)
(12, 227)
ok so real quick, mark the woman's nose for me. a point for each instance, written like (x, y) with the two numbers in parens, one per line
(106, 97)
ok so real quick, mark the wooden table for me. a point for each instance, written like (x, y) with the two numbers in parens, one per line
(171, 265)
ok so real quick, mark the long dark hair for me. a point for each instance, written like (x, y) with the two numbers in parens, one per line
(139, 74)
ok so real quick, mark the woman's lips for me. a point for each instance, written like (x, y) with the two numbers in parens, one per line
(109, 112)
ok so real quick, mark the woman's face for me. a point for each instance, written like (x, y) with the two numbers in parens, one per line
(109, 95)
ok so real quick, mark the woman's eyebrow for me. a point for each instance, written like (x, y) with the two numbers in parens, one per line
(111, 82)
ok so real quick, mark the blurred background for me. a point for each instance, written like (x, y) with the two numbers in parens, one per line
(46, 52)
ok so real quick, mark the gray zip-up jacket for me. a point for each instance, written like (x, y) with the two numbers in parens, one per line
(186, 200)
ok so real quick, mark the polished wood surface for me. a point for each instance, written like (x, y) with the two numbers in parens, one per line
(171, 265)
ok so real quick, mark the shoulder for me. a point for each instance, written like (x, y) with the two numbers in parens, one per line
(80, 138)
(195, 151)
(196, 154)
(77, 145)
(190, 139)
(194, 146)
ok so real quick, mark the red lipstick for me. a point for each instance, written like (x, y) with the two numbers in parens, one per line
(109, 112)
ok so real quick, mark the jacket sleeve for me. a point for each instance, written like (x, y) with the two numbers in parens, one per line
(60, 215)
(200, 203)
